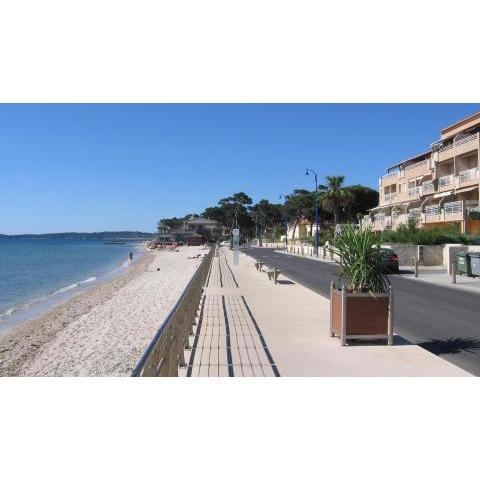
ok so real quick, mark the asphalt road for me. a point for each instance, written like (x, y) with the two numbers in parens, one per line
(443, 320)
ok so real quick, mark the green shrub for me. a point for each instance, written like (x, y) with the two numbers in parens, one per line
(411, 234)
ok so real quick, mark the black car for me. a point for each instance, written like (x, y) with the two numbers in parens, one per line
(389, 260)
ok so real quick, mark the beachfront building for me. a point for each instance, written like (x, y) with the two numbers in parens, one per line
(435, 188)
(197, 230)
(301, 230)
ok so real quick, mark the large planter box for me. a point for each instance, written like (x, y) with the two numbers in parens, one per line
(361, 316)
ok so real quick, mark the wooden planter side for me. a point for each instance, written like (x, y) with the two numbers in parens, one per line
(361, 316)
(367, 315)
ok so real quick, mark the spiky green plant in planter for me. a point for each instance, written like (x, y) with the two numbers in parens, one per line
(357, 252)
(362, 308)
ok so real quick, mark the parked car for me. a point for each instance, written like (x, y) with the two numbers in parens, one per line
(389, 260)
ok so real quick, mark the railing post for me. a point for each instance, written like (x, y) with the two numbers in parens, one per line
(344, 317)
(332, 288)
(390, 315)
(454, 271)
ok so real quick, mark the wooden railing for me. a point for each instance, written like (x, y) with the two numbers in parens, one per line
(166, 351)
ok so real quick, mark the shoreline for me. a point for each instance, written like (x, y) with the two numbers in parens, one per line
(16, 353)
(27, 310)
(118, 316)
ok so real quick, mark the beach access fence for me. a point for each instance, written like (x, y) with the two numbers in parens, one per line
(166, 351)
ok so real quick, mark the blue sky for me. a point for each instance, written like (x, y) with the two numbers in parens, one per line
(123, 167)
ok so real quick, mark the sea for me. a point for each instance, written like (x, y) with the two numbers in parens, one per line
(37, 274)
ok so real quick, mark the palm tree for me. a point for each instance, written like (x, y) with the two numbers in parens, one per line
(335, 196)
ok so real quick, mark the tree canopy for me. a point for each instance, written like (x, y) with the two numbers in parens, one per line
(337, 202)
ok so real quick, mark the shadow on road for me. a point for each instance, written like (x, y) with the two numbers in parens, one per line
(404, 271)
(453, 345)
(285, 282)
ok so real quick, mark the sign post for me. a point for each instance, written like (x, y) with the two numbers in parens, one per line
(236, 245)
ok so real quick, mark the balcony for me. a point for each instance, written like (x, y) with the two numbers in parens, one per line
(458, 147)
(399, 219)
(446, 182)
(452, 208)
(427, 188)
(414, 192)
(389, 198)
(389, 179)
(472, 209)
(468, 177)
(414, 214)
(453, 211)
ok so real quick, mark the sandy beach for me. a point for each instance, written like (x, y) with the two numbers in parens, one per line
(104, 331)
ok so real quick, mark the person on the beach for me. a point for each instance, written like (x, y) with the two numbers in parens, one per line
(130, 255)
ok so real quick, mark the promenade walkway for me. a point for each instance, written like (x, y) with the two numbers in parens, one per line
(228, 340)
(249, 326)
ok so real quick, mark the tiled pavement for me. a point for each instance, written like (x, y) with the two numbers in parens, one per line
(228, 341)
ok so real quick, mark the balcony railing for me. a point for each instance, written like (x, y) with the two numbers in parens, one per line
(432, 211)
(461, 145)
(391, 174)
(447, 146)
(389, 197)
(416, 165)
(468, 175)
(467, 139)
(413, 192)
(472, 206)
(445, 181)
(453, 207)
(427, 187)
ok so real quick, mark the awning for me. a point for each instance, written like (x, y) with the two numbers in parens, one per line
(467, 189)
(443, 194)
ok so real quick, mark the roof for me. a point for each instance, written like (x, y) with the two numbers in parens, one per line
(460, 123)
(202, 221)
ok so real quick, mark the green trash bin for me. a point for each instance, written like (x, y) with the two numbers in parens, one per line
(475, 263)
(462, 259)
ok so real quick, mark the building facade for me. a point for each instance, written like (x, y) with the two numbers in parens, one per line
(197, 230)
(435, 188)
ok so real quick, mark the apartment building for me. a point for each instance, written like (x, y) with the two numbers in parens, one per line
(437, 187)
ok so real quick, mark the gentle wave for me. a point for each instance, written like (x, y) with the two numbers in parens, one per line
(24, 306)
(27, 304)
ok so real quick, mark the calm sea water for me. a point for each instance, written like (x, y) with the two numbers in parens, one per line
(37, 274)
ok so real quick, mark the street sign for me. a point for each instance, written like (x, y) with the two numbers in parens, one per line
(236, 245)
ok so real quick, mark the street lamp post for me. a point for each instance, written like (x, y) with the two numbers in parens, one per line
(286, 219)
(309, 171)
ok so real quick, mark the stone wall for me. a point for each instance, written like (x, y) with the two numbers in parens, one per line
(432, 255)
(406, 253)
